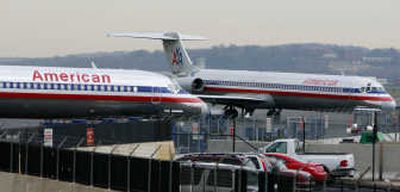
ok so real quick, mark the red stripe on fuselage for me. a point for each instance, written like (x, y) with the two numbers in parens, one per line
(162, 99)
(298, 94)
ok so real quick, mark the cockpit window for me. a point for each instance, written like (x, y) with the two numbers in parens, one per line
(372, 90)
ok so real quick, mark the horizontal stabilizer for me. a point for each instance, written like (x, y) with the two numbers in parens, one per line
(157, 36)
(180, 62)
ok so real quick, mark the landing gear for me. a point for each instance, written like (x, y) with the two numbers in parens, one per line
(274, 112)
(231, 112)
(247, 112)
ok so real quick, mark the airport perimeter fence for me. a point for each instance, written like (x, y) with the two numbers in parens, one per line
(256, 129)
(319, 126)
(127, 173)
(115, 172)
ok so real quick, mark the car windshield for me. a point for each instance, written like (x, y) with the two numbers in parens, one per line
(279, 147)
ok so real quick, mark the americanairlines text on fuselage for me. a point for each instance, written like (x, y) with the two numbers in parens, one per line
(73, 77)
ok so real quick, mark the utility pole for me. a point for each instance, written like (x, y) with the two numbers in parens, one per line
(234, 134)
(303, 126)
(374, 137)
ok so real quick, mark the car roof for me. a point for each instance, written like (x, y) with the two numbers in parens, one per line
(216, 165)
(215, 157)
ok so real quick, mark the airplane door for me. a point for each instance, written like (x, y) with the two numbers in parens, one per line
(156, 99)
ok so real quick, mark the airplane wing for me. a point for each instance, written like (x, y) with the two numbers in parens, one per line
(237, 100)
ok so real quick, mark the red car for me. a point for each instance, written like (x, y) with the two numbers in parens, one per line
(315, 169)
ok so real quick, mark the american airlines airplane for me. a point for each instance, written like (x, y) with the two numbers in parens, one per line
(57, 92)
(250, 90)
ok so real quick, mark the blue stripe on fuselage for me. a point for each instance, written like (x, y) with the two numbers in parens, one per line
(308, 88)
(86, 87)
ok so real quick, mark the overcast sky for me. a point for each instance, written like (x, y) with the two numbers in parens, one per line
(37, 28)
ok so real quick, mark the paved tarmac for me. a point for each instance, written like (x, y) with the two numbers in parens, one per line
(10, 182)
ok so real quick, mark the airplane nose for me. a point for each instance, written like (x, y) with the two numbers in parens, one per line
(197, 108)
(389, 106)
(204, 109)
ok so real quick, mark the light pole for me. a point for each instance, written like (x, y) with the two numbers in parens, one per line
(374, 135)
(303, 126)
(375, 112)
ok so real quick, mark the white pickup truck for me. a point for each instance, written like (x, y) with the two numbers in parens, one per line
(336, 164)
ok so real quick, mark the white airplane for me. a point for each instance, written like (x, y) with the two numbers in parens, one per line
(57, 92)
(250, 90)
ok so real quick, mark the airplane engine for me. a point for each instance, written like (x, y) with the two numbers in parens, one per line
(197, 85)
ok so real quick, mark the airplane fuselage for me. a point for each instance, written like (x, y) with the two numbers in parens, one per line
(294, 90)
(271, 90)
(57, 92)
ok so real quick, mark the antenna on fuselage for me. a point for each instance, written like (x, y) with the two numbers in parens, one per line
(92, 63)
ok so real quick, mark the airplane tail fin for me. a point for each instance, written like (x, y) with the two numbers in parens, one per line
(177, 56)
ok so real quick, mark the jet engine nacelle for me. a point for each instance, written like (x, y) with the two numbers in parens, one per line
(193, 85)
(197, 85)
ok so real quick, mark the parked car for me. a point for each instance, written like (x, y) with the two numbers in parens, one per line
(216, 177)
(285, 179)
(315, 169)
(277, 174)
(216, 172)
(336, 164)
